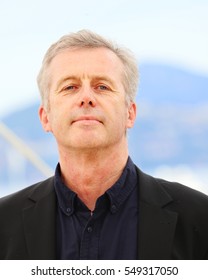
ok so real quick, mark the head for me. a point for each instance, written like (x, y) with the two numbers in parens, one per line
(85, 39)
(88, 86)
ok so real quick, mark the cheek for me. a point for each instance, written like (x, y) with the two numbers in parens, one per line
(55, 120)
(120, 118)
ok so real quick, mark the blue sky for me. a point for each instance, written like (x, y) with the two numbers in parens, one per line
(173, 32)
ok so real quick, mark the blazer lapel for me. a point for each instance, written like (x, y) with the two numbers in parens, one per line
(39, 222)
(156, 225)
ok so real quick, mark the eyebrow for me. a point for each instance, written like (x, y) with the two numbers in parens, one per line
(63, 80)
(103, 78)
(94, 78)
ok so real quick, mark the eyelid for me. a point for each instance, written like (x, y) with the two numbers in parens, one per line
(74, 87)
(104, 86)
(101, 84)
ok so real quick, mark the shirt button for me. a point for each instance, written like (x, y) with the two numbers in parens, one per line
(113, 208)
(68, 210)
(89, 229)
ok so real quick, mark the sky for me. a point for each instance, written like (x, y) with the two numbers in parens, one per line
(168, 31)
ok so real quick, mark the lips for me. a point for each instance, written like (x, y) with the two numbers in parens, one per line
(86, 119)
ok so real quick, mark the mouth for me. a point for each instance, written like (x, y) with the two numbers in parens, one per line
(87, 120)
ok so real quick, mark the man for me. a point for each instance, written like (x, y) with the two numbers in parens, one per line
(98, 205)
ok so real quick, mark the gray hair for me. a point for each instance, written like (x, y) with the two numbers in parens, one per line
(89, 39)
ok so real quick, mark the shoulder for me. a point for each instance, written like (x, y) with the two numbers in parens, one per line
(18, 198)
(179, 196)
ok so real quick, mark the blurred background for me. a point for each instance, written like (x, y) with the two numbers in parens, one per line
(170, 41)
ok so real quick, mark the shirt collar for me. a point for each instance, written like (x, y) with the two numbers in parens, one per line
(120, 191)
(117, 194)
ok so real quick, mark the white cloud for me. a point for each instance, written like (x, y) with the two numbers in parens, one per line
(196, 179)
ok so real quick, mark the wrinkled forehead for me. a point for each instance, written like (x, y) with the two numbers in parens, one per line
(79, 54)
(91, 62)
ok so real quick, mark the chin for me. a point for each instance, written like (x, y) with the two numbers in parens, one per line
(83, 143)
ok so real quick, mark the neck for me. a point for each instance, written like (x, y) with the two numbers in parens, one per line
(91, 173)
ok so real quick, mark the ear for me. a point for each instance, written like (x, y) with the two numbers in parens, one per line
(131, 115)
(43, 115)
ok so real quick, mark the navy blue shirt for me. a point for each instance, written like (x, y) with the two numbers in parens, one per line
(109, 232)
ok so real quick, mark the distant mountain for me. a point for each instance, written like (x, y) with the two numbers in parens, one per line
(162, 84)
(171, 127)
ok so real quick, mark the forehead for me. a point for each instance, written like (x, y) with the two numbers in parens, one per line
(86, 61)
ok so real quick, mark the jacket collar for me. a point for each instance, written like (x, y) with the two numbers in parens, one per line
(39, 221)
(156, 224)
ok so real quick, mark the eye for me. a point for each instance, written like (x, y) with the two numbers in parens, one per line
(102, 87)
(70, 88)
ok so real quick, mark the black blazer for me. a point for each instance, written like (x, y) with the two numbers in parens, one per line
(172, 221)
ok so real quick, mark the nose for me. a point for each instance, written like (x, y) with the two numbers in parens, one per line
(87, 98)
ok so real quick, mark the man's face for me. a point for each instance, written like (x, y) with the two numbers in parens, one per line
(87, 105)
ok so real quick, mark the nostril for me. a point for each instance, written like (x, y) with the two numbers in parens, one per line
(89, 103)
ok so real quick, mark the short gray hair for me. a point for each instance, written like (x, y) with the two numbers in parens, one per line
(89, 39)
